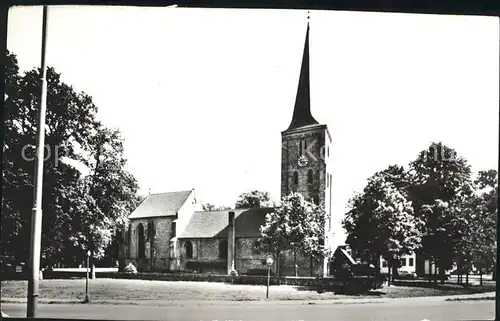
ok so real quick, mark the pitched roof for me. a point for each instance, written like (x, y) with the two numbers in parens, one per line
(162, 204)
(214, 224)
(347, 256)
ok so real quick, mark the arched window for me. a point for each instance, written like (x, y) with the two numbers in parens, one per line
(310, 176)
(316, 199)
(189, 249)
(140, 238)
(295, 178)
(223, 249)
(151, 231)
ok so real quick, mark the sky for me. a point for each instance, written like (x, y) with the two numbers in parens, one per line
(201, 95)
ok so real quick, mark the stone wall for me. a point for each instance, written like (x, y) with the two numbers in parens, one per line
(205, 251)
(315, 138)
(305, 266)
(249, 259)
(156, 243)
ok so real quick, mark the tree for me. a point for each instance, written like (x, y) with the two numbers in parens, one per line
(296, 225)
(438, 177)
(254, 199)
(477, 213)
(72, 202)
(484, 226)
(69, 116)
(212, 207)
(112, 189)
(380, 222)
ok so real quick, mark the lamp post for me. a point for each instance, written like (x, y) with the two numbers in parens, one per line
(87, 297)
(269, 263)
(36, 212)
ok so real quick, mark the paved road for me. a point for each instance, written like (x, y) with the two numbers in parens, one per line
(394, 310)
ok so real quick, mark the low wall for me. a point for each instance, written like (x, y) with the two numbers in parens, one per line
(364, 282)
(248, 279)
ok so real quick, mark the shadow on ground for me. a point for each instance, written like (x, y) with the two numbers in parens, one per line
(402, 289)
(447, 286)
(341, 290)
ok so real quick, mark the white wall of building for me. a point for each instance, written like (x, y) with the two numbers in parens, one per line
(408, 264)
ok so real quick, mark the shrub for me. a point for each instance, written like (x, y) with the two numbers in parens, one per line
(130, 269)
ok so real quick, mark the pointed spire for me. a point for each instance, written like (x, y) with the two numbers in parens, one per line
(302, 112)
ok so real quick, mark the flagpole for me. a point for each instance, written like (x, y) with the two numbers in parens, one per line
(36, 213)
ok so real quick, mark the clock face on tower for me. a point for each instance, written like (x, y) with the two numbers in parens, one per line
(302, 161)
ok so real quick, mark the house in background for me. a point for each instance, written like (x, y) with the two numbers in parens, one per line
(407, 264)
(410, 263)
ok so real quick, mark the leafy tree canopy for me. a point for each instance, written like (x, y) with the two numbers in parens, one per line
(254, 199)
(87, 193)
(297, 225)
(381, 221)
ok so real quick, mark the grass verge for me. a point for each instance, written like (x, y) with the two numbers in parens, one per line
(142, 290)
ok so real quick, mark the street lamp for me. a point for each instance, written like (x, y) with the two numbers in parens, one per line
(269, 263)
(87, 297)
(36, 213)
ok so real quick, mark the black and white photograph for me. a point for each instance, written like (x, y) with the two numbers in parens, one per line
(189, 163)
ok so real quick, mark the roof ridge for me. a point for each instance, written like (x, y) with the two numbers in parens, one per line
(239, 209)
(162, 193)
(185, 200)
(161, 205)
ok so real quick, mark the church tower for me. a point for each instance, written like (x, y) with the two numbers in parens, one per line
(306, 148)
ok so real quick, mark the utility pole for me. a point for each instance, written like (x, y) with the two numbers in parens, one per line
(269, 263)
(36, 213)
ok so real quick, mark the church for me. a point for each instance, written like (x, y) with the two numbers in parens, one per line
(171, 232)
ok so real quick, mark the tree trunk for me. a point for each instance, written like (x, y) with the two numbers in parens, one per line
(278, 264)
(467, 278)
(481, 276)
(430, 271)
(441, 274)
(435, 274)
(311, 266)
(295, 263)
(388, 273)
